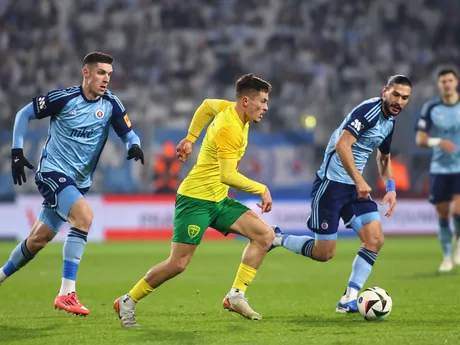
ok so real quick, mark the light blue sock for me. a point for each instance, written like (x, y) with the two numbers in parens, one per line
(361, 268)
(457, 225)
(73, 251)
(445, 237)
(19, 257)
(299, 244)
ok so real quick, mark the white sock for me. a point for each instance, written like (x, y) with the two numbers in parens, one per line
(67, 286)
(236, 292)
(278, 241)
(128, 301)
(350, 294)
(2, 276)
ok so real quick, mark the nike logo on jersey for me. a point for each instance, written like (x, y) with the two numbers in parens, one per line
(82, 133)
(16, 160)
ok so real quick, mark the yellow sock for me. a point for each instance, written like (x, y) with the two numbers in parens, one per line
(244, 277)
(140, 290)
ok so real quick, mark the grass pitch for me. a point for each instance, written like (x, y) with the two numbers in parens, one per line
(295, 295)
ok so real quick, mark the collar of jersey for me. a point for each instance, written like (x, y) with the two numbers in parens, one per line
(235, 113)
(86, 99)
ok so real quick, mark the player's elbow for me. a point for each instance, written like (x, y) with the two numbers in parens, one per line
(225, 177)
(341, 146)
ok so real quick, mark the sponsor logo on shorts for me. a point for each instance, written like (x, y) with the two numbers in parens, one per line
(62, 179)
(324, 225)
(193, 230)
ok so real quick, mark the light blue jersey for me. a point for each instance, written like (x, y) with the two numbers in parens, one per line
(78, 131)
(442, 121)
(370, 127)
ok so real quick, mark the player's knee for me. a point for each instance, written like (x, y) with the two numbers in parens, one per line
(323, 250)
(265, 239)
(324, 255)
(178, 265)
(36, 242)
(83, 220)
(374, 242)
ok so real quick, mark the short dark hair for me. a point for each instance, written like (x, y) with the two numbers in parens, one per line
(447, 70)
(399, 79)
(96, 57)
(249, 82)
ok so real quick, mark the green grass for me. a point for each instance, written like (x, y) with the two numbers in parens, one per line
(295, 295)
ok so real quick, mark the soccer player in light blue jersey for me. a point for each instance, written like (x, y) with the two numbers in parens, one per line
(340, 191)
(439, 128)
(80, 120)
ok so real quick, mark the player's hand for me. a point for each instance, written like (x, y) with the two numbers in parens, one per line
(391, 198)
(447, 146)
(184, 149)
(136, 152)
(363, 189)
(267, 201)
(18, 162)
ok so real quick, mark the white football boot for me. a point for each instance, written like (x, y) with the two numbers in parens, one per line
(124, 307)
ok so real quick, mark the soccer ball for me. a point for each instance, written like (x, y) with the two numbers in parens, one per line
(374, 303)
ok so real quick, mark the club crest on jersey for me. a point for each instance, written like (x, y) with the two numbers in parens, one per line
(99, 114)
(62, 179)
(193, 230)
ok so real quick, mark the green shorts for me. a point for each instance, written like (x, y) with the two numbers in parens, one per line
(193, 216)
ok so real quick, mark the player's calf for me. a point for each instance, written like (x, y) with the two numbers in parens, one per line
(80, 217)
(372, 239)
(26, 250)
(316, 249)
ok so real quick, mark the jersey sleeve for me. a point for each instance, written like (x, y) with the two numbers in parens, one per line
(120, 120)
(217, 105)
(228, 142)
(424, 122)
(52, 103)
(205, 112)
(361, 118)
(385, 146)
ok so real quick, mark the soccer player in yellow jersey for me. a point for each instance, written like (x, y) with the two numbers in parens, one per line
(202, 199)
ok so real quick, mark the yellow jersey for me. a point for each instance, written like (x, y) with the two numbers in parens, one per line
(226, 138)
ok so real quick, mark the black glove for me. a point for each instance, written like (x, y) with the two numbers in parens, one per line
(136, 152)
(18, 162)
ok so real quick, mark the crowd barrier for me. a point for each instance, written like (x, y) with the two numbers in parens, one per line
(145, 217)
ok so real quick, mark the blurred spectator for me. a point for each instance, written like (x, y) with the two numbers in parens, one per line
(322, 57)
(400, 172)
(167, 169)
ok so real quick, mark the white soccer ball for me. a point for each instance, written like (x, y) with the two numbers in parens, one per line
(374, 303)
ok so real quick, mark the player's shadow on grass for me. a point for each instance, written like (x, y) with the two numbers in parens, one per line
(318, 321)
(430, 275)
(9, 334)
(176, 336)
